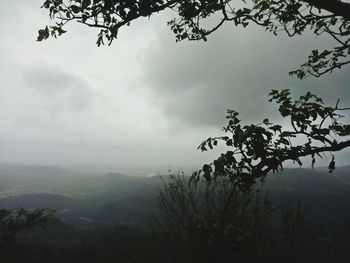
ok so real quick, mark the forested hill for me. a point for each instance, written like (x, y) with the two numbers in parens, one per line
(102, 201)
(23, 179)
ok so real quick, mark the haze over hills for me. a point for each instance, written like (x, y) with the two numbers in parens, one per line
(102, 201)
(85, 200)
(343, 173)
(23, 179)
(36, 201)
(325, 196)
(27, 170)
(310, 180)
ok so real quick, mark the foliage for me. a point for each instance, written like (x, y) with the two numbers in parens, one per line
(294, 17)
(264, 147)
(201, 221)
(17, 220)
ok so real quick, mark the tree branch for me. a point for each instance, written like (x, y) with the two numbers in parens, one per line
(335, 147)
(333, 6)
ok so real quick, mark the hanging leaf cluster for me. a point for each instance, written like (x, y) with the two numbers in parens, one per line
(197, 19)
(257, 149)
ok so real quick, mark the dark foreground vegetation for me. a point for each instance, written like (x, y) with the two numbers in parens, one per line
(301, 215)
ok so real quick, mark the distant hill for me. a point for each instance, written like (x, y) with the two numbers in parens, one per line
(10, 169)
(343, 173)
(101, 201)
(112, 198)
(34, 201)
(111, 184)
(309, 180)
(325, 196)
(23, 179)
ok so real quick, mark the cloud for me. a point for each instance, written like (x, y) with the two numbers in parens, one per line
(67, 101)
(61, 90)
(194, 83)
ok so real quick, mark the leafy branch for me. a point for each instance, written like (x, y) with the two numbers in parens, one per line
(258, 149)
(191, 18)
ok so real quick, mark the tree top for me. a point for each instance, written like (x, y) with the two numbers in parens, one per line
(293, 17)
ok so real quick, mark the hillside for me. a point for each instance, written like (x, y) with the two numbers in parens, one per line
(34, 201)
(11, 169)
(110, 199)
(23, 179)
(343, 173)
(309, 180)
(101, 201)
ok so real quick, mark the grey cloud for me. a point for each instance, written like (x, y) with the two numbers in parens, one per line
(195, 83)
(62, 90)
(64, 111)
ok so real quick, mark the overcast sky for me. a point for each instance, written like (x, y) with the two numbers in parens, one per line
(145, 100)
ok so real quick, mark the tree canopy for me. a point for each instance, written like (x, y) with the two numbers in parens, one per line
(258, 149)
(190, 22)
(17, 220)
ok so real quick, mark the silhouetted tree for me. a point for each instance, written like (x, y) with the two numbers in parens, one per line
(201, 222)
(14, 221)
(216, 222)
(257, 149)
(294, 17)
